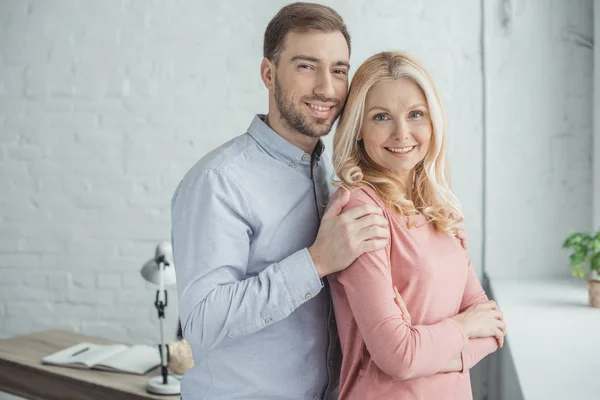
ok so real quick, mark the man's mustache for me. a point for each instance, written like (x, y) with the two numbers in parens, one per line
(328, 100)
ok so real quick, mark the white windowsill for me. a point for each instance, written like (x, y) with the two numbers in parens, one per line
(554, 337)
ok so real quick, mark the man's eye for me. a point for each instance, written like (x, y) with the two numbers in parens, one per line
(341, 72)
(305, 66)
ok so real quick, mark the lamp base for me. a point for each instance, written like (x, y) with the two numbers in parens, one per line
(155, 385)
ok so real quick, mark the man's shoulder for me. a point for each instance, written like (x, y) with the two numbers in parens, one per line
(226, 155)
(222, 159)
(217, 164)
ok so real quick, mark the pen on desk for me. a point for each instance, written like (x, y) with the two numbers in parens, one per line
(80, 351)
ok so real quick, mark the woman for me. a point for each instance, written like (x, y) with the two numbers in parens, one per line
(390, 150)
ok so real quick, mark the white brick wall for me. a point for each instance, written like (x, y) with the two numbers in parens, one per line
(539, 135)
(104, 106)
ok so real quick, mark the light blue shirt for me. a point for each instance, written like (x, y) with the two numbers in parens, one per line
(258, 318)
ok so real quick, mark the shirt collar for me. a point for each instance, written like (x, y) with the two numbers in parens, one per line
(277, 146)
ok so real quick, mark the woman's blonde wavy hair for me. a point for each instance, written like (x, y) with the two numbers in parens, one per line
(430, 193)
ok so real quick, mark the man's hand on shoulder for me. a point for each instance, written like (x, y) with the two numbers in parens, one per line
(345, 235)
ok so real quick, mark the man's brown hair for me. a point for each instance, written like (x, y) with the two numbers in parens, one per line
(301, 17)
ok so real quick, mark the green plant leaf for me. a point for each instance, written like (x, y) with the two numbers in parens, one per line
(578, 257)
(577, 239)
(595, 242)
(595, 262)
(578, 272)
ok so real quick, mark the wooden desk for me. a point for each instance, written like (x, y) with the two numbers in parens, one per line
(23, 374)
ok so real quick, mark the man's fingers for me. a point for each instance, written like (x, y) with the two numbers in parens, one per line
(370, 220)
(462, 235)
(339, 202)
(371, 245)
(360, 211)
(373, 232)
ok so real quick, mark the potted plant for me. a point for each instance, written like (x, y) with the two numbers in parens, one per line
(586, 252)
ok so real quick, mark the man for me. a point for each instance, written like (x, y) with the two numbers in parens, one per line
(252, 239)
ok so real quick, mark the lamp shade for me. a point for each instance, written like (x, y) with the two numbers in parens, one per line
(151, 271)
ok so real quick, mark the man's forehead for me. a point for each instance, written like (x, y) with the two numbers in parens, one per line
(327, 47)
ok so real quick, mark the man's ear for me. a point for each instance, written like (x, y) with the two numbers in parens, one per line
(267, 73)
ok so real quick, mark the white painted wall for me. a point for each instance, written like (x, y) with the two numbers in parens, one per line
(104, 106)
(538, 74)
(538, 181)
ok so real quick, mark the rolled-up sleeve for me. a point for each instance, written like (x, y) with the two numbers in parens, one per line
(212, 227)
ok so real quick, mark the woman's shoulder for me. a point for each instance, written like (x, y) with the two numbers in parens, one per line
(361, 195)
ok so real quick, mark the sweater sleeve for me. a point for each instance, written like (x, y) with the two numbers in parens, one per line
(399, 350)
(475, 349)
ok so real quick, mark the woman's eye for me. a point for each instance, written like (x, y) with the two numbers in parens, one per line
(380, 117)
(416, 114)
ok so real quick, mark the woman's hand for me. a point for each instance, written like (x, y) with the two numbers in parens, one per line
(400, 303)
(483, 320)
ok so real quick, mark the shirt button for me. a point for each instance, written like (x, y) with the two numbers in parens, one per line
(305, 157)
(292, 165)
(268, 320)
(307, 296)
(331, 363)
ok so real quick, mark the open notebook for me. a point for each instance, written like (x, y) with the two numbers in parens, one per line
(136, 359)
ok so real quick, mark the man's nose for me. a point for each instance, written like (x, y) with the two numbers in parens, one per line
(324, 87)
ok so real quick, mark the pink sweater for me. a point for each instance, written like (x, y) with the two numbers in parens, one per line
(385, 358)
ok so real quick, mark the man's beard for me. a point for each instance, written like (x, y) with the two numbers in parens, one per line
(296, 120)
